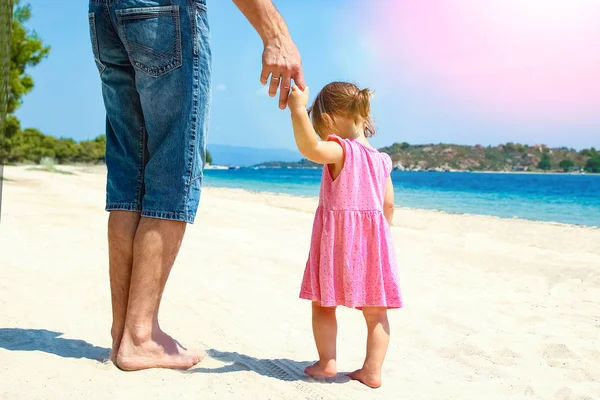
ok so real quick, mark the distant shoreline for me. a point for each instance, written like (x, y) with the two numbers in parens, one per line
(260, 167)
(227, 167)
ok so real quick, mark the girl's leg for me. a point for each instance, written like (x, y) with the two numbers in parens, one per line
(377, 343)
(324, 325)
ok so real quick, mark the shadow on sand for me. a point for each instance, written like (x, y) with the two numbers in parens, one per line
(279, 368)
(16, 339)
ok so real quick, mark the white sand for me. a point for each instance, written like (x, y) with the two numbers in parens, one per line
(495, 309)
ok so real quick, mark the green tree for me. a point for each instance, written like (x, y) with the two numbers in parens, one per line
(27, 50)
(6, 9)
(510, 147)
(66, 150)
(92, 151)
(566, 164)
(405, 145)
(31, 145)
(12, 128)
(593, 164)
(209, 159)
(545, 163)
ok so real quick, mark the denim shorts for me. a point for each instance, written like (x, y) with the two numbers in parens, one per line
(154, 60)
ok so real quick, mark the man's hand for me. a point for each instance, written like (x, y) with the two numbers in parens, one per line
(281, 60)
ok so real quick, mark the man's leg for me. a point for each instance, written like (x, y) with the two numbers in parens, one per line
(172, 79)
(122, 226)
(125, 157)
(144, 344)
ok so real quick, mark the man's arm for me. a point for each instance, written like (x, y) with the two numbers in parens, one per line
(280, 58)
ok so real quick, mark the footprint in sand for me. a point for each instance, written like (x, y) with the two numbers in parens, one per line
(506, 356)
(557, 350)
(566, 393)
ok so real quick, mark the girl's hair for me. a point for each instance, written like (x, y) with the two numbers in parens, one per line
(345, 100)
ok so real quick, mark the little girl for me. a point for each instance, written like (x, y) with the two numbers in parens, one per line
(352, 259)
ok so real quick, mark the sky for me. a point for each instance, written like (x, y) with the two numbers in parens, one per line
(464, 72)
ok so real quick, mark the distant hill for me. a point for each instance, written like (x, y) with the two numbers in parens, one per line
(30, 145)
(249, 156)
(504, 157)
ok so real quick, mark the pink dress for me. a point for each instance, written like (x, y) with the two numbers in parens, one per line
(352, 260)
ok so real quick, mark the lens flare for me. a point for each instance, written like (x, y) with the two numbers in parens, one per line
(516, 58)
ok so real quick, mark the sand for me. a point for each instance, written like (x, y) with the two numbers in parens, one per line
(495, 309)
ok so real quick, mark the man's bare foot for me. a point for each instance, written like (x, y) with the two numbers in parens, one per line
(322, 370)
(117, 335)
(371, 379)
(159, 351)
(114, 351)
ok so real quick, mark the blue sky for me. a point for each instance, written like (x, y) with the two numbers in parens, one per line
(334, 40)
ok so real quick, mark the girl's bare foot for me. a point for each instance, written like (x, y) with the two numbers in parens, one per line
(160, 351)
(371, 379)
(378, 338)
(322, 370)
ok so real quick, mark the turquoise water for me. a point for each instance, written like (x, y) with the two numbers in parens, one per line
(571, 199)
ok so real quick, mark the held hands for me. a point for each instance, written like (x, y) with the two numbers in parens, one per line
(298, 99)
(281, 60)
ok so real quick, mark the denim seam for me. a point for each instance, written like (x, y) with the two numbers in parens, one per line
(135, 17)
(123, 206)
(166, 212)
(153, 51)
(144, 12)
(193, 8)
(95, 45)
(178, 216)
(192, 16)
(194, 117)
(178, 49)
(142, 165)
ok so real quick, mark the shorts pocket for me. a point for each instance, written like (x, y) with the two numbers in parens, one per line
(152, 37)
(94, 40)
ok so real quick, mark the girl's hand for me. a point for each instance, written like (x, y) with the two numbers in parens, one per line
(298, 99)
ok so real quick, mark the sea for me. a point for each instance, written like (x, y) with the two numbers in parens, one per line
(563, 198)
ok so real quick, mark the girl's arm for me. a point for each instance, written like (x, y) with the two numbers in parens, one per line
(388, 202)
(321, 152)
